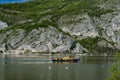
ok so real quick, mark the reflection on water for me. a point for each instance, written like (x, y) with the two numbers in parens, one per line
(90, 68)
(57, 72)
(48, 59)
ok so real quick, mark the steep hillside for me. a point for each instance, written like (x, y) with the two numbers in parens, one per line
(61, 25)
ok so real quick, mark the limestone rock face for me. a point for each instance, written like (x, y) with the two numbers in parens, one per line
(78, 25)
(41, 40)
(75, 33)
(82, 26)
(3, 25)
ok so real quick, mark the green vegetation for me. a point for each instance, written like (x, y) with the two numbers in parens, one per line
(28, 27)
(92, 45)
(1, 52)
(115, 70)
(33, 10)
(89, 42)
(13, 13)
(27, 52)
(27, 15)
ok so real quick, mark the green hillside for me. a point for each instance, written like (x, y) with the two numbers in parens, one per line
(27, 15)
(13, 13)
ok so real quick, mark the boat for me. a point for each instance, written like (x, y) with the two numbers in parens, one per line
(66, 59)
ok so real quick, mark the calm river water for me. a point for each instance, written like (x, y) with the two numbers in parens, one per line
(85, 70)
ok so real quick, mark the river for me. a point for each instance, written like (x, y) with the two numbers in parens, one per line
(88, 69)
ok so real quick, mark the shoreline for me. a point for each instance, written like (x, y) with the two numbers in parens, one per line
(50, 54)
(47, 58)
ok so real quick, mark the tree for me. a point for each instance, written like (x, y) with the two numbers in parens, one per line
(1, 52)
(115, 70)
(27, 52)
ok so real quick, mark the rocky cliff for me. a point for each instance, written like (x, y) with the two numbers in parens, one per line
(67, 26)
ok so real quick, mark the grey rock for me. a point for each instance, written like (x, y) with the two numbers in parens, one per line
(81, 26)
(3, 25)
(78, 25)
(41, 40)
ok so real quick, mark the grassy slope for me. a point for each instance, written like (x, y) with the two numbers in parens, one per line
(34, 10)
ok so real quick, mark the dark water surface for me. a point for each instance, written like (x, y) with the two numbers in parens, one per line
(88, 69)
(73, 71)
